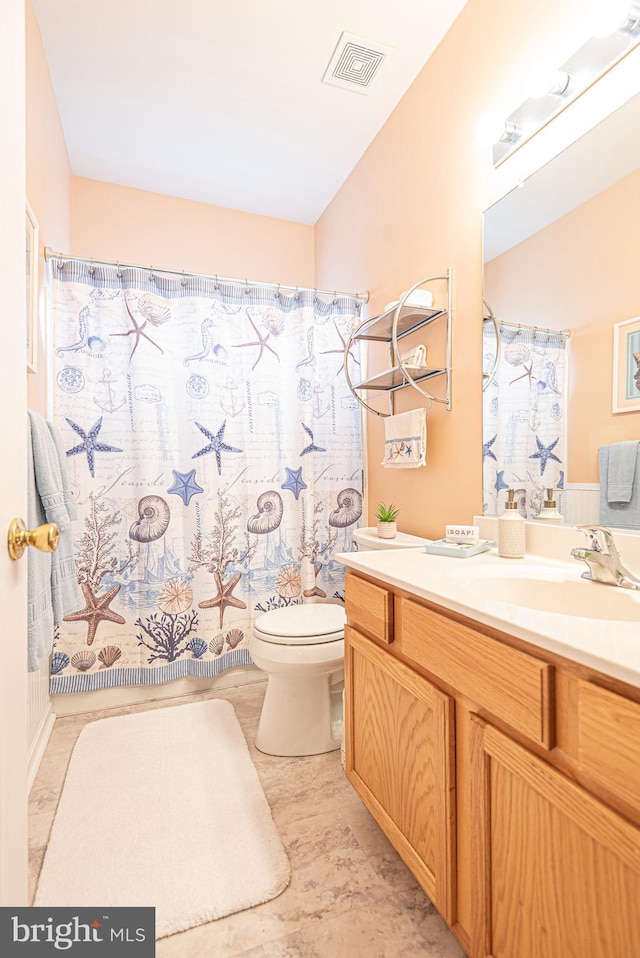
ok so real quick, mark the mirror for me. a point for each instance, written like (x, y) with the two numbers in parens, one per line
(562, 252)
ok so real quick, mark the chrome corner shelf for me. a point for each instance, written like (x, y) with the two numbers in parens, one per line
(411, 318)
(389, 327)
(394, 378)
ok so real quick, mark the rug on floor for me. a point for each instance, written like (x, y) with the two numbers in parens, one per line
(164, 808)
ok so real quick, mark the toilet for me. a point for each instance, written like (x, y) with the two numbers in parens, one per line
(301, 649)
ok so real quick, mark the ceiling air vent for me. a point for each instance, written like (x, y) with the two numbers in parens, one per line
(355, 63)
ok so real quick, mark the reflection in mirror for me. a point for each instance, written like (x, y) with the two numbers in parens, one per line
(524, 417)
(561, 254)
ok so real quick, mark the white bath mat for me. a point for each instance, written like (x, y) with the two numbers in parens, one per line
(164, 808)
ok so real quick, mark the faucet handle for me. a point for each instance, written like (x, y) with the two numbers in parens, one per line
(600, 539)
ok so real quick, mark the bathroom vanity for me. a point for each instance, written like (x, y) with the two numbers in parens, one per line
(498, 746)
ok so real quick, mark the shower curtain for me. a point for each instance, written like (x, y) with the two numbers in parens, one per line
(213, 448)
(524, 418)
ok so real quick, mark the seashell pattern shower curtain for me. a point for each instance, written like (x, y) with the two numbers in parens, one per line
(213, 449)
(524, 418)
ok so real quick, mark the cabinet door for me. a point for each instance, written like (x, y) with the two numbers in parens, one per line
(400, 754)
(557, 872)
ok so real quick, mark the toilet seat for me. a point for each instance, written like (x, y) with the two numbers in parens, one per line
(312, 624)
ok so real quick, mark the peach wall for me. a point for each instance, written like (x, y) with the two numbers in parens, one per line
(413, 206)
(580, 273)
(134, 226)
(48, 177)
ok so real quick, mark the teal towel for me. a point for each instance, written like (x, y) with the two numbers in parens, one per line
(39, 603)
(621, 472)
(53, 492)
(67, 495)
(620, 515)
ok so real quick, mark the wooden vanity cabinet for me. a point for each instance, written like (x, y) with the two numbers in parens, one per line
(557, 871)
(400, 760)
(507, 779)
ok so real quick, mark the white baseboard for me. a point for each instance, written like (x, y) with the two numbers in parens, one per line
(39, 744)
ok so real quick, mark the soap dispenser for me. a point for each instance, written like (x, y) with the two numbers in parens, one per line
(550, 508)
(511, 530)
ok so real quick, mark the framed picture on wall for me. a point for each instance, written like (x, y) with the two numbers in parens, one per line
(626, 366)
(31, 274)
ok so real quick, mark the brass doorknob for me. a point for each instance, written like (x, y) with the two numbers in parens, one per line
(45, 538)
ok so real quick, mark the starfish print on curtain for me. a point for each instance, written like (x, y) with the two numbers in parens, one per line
(500, 483)
(544, 454)
(326, 352)
(487, 452)
(96, 610)
(138, 330)
(89, 444)
(216, 445)
(261, 342)
(224, 597)
(185, 485)
(294, 481)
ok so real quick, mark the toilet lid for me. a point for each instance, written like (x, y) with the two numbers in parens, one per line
(312, 624)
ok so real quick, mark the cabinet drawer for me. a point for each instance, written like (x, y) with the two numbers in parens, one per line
(609, 740)
(512, 685)
(370, 607)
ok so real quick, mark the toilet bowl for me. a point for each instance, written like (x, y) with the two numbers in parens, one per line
(301, 649)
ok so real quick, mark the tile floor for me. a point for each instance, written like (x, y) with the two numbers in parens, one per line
(350, 896)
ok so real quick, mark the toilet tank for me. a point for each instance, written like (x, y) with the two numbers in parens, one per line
(367, 539)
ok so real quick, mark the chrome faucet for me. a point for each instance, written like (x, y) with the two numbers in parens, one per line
(603, 559)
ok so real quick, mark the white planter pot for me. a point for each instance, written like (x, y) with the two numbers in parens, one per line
(387, 530)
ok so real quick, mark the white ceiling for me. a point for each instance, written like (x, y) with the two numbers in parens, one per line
(222, 102)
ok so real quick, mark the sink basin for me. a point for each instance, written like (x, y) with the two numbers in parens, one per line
(553, 591)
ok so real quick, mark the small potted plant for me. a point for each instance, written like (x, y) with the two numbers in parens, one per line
(386, 516)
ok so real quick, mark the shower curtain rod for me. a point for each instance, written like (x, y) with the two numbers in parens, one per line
(50, 254)
(537, 329)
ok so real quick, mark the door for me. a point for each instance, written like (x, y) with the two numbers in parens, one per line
(13, 575)
(557, 872)
(400, 759)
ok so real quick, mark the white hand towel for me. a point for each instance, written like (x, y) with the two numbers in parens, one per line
(419, 297)
(405, 440)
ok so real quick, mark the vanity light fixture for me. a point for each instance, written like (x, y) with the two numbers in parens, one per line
(511, 133)
(492, 127)
(614, 16)
(615, 29)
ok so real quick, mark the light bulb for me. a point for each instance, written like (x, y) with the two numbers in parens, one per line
(540, 77)
(490, 128)
(607, 16)
(511, 132)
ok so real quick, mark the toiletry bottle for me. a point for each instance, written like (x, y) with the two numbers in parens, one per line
(511, 530)
(550, 508)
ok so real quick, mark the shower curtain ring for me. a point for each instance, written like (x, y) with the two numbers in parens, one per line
(334, 302)
(247, 288)
(118, 270)
(216, 285)
(183, 281)
(152, 278)
(297, 295)
(276, 295)
(92, 269)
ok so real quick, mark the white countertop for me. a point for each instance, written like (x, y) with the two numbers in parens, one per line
(608, 645)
